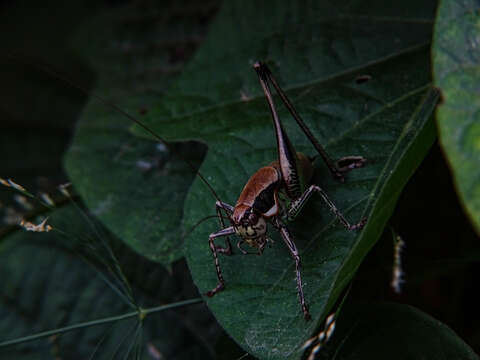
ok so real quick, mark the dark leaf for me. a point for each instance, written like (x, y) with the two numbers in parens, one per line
(393, 331)
(50, 281)
(318, 55)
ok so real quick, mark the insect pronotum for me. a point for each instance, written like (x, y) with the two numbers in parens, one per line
(277, 192)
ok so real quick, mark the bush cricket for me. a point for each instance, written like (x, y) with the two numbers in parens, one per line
(274, 194)
(277, 192)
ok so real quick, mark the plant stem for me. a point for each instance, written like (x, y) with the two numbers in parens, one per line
(140, 313)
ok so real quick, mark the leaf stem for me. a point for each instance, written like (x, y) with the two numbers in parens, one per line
(140, 313)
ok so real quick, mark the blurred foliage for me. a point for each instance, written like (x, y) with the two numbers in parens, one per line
(456, 61)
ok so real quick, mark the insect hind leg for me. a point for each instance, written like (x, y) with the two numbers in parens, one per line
(337, 168)
(288, 239)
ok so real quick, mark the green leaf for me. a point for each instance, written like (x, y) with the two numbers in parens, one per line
(456, 71)
(392, 331)
(319, 55)
(47, 285)
(134, 186)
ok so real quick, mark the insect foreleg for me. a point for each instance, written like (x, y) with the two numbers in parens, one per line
(219, 205)
(287, 238)
(297, 205)
(221, 283)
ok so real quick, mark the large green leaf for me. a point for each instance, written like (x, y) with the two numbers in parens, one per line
(319, 54)
(133, 185)
(393, 331)
(456, 60)
(46, 285)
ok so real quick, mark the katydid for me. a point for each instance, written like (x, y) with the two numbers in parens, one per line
(262, 200)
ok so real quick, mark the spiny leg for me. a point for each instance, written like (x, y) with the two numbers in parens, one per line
(337, 168)
(298, 204)
(286, 152)
(227, 207)
(287, 238)
(221, 283)
(219, 205)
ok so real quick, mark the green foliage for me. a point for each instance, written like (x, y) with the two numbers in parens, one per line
(381, 120)
(359, 75)
(456, 55)
(114, 171)
(50, 281)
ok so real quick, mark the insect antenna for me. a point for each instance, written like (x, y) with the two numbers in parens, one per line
(198, 223)
(57, 75)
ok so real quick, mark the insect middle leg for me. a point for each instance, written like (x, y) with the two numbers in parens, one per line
(297, 205)
(288, 239)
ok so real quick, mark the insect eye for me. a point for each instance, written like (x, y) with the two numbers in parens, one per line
(253, 218)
